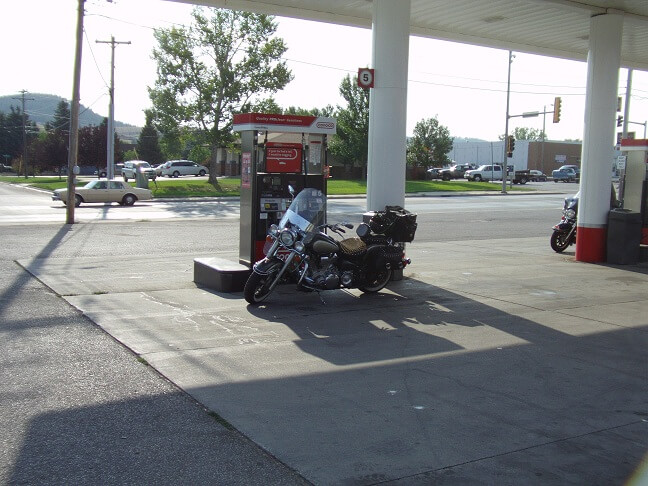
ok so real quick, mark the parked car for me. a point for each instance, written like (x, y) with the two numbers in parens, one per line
(433, 173)
(104, 172)
(537, 176)
(159, 167)
(565, 174)
(102, 191)
(132, 166)
(177, 168)
(456, 171)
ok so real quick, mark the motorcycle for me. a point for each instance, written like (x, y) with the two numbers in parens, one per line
(564, 233)
(300, 251)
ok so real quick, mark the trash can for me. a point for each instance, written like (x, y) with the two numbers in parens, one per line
(623, 236)
(141, 179)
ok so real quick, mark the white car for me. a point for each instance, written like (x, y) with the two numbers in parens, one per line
(177, 168)
(102, 191)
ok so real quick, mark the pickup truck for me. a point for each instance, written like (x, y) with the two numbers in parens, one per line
(455, 172)
(485, 173)
(132, 166)
(565, 174)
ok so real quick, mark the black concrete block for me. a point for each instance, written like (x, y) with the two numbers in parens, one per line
(220, 274)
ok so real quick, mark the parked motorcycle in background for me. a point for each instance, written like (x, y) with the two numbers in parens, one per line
(564, 233)
(298, 250)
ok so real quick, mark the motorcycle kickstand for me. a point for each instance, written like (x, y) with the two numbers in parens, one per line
(319, 294)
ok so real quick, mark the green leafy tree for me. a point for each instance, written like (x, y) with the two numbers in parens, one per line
(93, 150)
(148, 143)
(57, 138)
(11, 133)
(351, 142)
(429, 145)
(524, 133)
(220, 65)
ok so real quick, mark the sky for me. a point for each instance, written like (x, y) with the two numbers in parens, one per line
(463, 86)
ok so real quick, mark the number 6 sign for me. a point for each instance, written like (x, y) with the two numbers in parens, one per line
(365, 78)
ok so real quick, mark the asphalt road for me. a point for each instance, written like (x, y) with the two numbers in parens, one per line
(440, 218)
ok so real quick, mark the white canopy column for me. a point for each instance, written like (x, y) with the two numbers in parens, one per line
(388, 104)
(603, 63)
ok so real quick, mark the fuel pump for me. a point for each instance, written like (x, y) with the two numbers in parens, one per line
(268, 167)
(634, 181)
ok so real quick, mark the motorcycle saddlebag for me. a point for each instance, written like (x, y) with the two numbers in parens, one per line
(395, 222)
(379, 256)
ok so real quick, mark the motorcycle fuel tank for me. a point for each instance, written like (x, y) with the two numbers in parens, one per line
(324, 246)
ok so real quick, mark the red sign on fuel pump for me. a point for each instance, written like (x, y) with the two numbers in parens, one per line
(283, 157)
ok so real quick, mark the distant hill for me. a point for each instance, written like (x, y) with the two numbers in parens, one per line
(41, 109)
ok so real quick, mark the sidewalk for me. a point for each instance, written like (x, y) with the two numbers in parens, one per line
(525, 367)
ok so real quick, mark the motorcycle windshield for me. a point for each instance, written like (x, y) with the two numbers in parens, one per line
(307, 210)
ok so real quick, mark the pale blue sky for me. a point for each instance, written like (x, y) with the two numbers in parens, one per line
(464, 86)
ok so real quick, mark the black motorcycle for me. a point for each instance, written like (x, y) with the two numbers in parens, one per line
(564, 233)
(300, 251)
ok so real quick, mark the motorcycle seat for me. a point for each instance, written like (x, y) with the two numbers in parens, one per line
(353, 246)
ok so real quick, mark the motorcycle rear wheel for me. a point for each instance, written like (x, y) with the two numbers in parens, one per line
(376, 281)
(257, 287)
(559, 241)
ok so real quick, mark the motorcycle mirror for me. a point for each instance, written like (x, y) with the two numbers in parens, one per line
(291, 190)
(348, 225)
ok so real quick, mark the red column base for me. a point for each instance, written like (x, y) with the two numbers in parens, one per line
(591, 244)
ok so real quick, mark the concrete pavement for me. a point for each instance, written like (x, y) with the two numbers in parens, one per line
(491, 362)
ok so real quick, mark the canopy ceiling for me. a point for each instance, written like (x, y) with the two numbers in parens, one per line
(558, 28)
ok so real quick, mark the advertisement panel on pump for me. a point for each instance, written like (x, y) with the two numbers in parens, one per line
(283, 157)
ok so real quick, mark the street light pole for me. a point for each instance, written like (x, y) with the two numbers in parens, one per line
(508, 98)
(544, 118)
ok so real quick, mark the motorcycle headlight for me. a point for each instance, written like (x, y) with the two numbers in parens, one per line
(299, 246)
(287, 237)
(570, 213)
(274, 230)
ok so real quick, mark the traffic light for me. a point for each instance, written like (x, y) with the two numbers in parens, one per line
(556, 113)
(510, 146)
(619, 121)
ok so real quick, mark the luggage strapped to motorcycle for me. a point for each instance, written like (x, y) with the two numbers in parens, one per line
(395, 222)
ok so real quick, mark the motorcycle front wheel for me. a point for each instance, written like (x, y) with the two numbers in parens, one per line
(376, 281)
(559, 241)
(257, 287)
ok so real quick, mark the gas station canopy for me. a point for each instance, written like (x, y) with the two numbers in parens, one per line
(558, 28)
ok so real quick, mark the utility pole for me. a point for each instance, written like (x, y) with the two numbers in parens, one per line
(74, 119)
(626, 108)
(24, 127)
(110, 158)
(508, 98)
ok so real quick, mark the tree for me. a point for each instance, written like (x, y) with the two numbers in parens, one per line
(523, 133)
(57, 139)
(429, 145)
(93, 141)
(11, 132)
(148, 143)
(220, 65)
(351, 142)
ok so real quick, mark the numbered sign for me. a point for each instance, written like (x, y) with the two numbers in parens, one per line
(365, 78)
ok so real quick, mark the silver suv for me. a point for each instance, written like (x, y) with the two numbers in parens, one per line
(176, 168)
(133, 166)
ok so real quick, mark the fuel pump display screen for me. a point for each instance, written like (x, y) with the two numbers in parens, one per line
(272, 204)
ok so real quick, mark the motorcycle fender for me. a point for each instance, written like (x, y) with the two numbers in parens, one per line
(563, 227)
(267, 265)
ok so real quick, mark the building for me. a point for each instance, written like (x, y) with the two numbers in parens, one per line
(545, 156)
